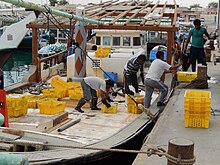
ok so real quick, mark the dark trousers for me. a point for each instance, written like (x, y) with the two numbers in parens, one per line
(196, 54)
(88, 92)
(130, 79)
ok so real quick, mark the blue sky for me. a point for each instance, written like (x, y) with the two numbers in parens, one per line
(203, 3)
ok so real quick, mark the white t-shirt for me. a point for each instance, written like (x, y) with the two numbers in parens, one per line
(157, 69)
(95, 83)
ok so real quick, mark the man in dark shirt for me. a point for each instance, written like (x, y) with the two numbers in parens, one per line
(197, 46)
(130, 73)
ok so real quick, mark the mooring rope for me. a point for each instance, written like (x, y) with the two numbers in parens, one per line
(150, 150)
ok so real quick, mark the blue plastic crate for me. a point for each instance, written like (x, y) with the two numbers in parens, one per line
(111, 75)
(153, 55)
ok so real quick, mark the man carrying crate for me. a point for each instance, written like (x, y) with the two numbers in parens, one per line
(153, 79)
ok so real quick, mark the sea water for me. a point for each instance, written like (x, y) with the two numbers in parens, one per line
(17, 66)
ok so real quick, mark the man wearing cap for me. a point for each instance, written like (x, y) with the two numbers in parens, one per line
(89, 86)
(133, 65)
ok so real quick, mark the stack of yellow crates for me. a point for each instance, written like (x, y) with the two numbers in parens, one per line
(132, 106)
(102, 52)
(75, 91)
(32, 100)
(197, 105)
(16, 105)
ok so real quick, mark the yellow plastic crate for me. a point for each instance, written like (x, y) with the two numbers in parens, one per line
(186, 76)
(133, 108)
(32, 100)
(75, 94)
(59, 83)
(16, 112)
(32, 103)
(44, 100)
(131, 105)
(98, 93)
(51, 107)
(112, 109)
(197, 106)
(196, 121)
(74, 85)
(52, 92)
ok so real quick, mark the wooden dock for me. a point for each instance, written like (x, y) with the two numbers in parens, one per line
(171, 125)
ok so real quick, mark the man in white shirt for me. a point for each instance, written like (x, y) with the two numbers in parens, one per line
(89, 86)
(153, 79)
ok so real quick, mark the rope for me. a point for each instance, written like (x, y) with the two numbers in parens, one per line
(148, 112)
(151, 150)
(66, 34)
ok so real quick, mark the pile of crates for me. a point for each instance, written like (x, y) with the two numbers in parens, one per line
(132, 106)
(197, 105)
(16, 105)
(75, 91)
(102, 52)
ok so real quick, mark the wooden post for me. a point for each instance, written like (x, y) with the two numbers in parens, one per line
(35, 58)
(180, 148)
(170, 40)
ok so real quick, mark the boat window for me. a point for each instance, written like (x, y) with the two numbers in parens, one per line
(96, 63)
(116, 41)
(126, 41)
(98, 40)
(136, 41)
(106, 41)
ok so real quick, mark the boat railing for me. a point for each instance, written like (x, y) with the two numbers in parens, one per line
(54, 59)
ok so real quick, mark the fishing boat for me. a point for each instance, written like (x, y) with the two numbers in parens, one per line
(87, 142)
(94, 135)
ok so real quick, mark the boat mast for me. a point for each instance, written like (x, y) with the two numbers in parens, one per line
(29, 5)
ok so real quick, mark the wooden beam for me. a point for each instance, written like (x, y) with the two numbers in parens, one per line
(119, 27)
(138, 11)
(101, 5)
(170, 39)
(103, 10)
(161, 13)
(134, 27)
(150, 11)
(105, 15)
(121, 15)
(175, 14)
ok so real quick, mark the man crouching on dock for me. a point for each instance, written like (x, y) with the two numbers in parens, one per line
(89, 86)
(153, 79)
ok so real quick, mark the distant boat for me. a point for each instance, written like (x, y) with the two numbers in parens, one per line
(14, 34)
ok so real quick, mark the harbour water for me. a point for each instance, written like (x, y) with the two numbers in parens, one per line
(17, 66)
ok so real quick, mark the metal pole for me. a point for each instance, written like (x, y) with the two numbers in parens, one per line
(29, 5)
(217, 24)
(69, 125)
